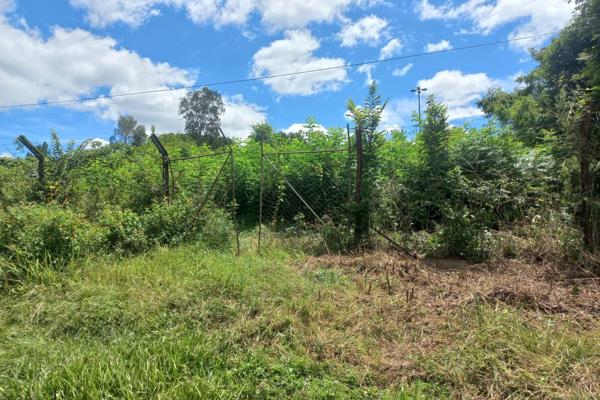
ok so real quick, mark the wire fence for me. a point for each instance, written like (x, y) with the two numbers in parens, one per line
(299, 193)
(307, 197)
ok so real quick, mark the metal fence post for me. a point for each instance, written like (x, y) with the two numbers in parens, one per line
(40, 158)
(166, 165)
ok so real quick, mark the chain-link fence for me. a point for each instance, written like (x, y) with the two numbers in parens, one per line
(304, 196)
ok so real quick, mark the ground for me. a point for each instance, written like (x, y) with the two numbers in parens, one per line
(194, 323)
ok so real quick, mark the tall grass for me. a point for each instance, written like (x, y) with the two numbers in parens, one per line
(196, 323)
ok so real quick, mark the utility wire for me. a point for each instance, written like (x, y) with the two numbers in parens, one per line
(260, 78)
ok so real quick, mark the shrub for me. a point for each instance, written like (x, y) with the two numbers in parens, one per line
(49, 233)
(124, 231)
(462, 236)
(179, 222)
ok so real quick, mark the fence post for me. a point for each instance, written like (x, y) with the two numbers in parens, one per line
(40, 157)
(260, 207)
(349, 166)
(166, 165)
(359, 217)
(233, 198)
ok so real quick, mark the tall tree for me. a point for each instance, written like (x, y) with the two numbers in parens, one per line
(128, 131)
(566, 88)
(262, 132)
(368, 139)
(435, 155)
(202, 111)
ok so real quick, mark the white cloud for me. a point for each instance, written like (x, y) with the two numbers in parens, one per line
(296, 53)
(367, 69)
(391, 49)
(299, 13)
(240, 116)
(398, 113)
(368, 30)
(402, 71)
(275, 14)
(459, 91)
(535, 16)
(6, 6)
(299, 128)
(443, 45)
(37, 71)
(6, 155)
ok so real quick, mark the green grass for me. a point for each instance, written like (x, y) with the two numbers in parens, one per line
(191, 323)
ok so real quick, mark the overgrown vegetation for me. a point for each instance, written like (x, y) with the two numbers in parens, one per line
(110, 290)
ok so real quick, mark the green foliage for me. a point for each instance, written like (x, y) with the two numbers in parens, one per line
(202, 111)
(52, 235)
(129, 132)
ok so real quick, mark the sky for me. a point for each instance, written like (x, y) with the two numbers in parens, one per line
(71, 49)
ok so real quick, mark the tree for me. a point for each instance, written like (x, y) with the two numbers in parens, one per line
(519, 111)
(366, 121)
(433, 177)
(262, 132)
(565, 90)
(202, 111)
(128, 131)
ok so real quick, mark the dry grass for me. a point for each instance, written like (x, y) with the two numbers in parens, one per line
(423, 319)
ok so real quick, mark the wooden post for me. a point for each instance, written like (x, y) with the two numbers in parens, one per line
(40, 157)
(260, 206)
(359, 218)
(349, 163)
(166, 165)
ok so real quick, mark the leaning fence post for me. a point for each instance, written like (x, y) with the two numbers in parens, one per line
(166, 165)
(40, 157)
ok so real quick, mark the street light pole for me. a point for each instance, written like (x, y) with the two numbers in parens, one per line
(419, 90)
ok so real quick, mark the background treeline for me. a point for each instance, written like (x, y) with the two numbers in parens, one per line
(521, 185)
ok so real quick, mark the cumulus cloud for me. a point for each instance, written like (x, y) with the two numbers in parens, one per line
(391, 49)
(239, 116)
(398, 114)
(402, 71)
(76, 63)
(299, 128)
(275, 14)
(296, 53)
(534, 16)
(368, 30)
(459, 91)
(442, 45)
(6, 155)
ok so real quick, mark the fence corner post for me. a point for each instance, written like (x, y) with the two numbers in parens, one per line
(166, 165)
(40, 158)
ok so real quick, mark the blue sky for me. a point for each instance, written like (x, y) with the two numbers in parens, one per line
(65, 49)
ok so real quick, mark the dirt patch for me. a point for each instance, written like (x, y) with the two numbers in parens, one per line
(444, 284)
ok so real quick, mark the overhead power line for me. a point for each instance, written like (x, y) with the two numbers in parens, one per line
(261, 78)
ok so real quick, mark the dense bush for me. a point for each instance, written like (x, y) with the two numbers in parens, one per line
(53, 235)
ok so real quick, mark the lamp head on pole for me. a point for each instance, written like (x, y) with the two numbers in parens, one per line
(419, 90)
